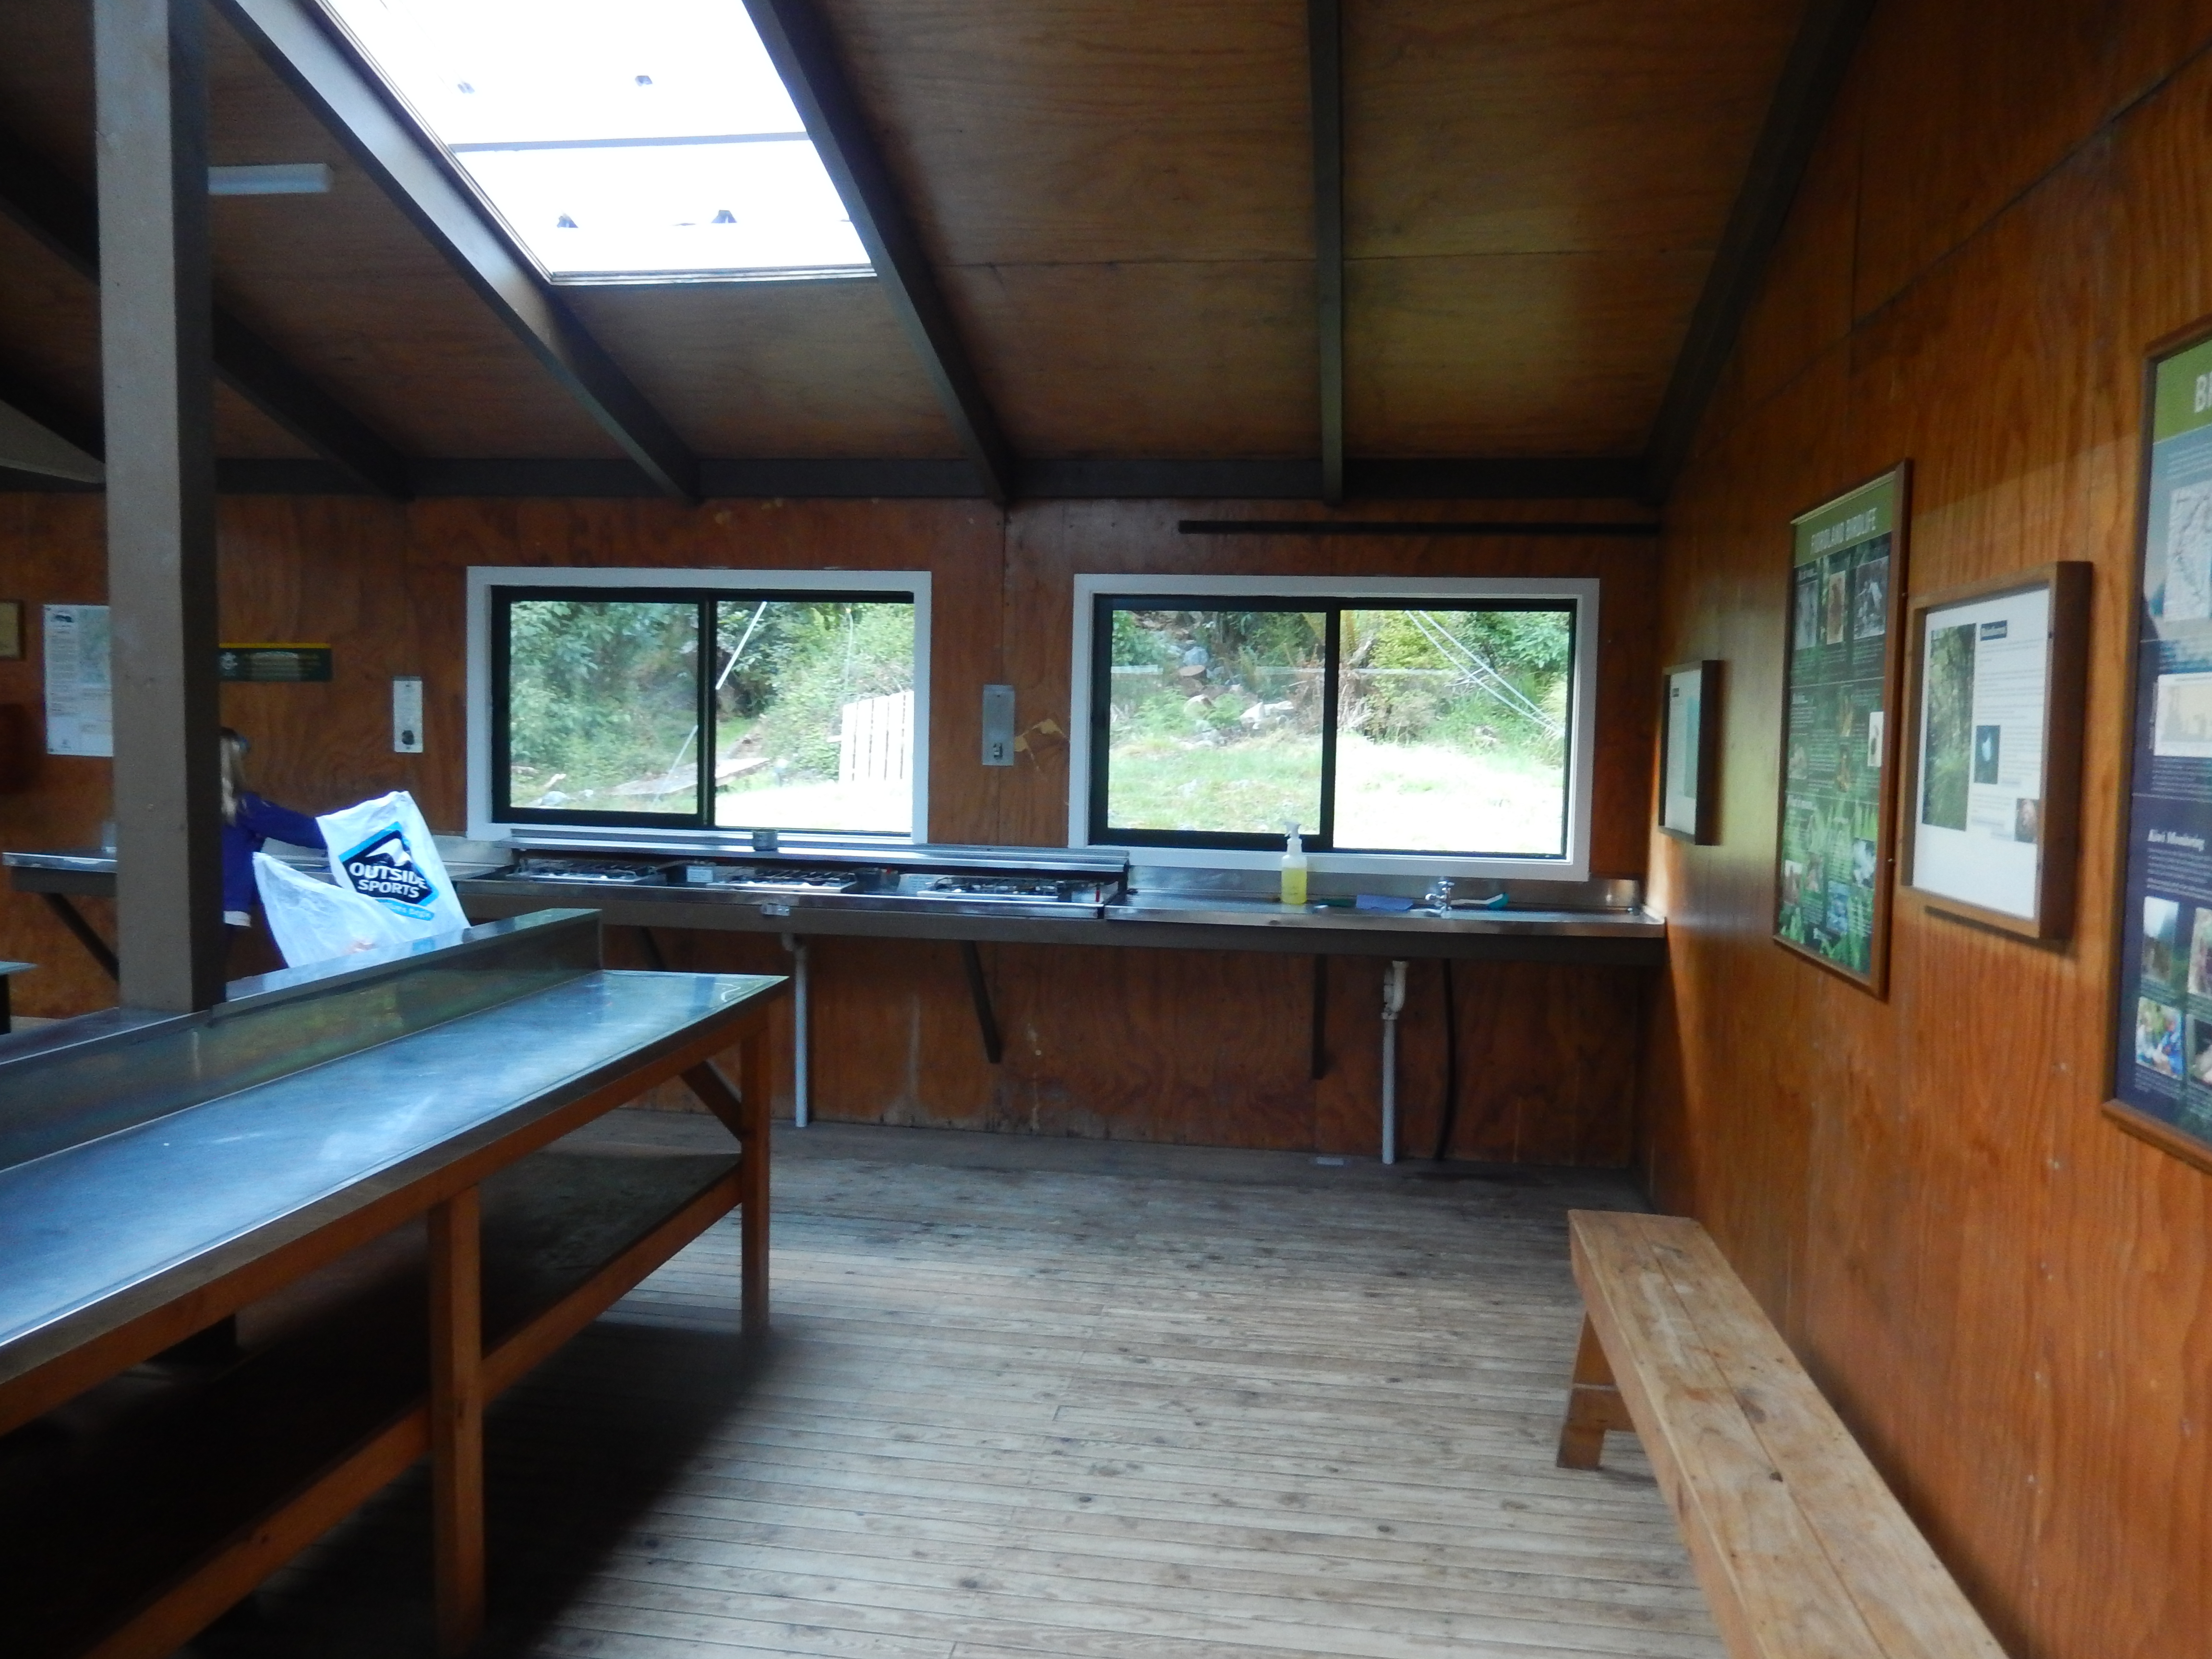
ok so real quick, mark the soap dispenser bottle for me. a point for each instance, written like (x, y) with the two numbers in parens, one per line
(1294, 870)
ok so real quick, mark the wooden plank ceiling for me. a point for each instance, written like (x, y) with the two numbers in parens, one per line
(1117, 200)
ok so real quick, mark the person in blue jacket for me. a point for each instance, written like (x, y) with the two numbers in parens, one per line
(248, 822)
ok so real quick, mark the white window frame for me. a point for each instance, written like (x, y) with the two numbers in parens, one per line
(1581, 592)
(482, 578)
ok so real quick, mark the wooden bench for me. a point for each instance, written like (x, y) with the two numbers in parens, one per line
(1801, 1549)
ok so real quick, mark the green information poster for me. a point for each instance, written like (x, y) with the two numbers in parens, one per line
(1832, 865)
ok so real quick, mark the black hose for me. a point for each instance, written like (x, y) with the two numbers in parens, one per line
(1448, 1120)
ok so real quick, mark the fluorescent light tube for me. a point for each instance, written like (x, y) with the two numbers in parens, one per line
(276, 179)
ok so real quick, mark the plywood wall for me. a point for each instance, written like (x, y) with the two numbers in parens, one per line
(2009, 1300)
(1158, 1045)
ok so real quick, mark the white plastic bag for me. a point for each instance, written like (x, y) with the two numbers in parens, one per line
(314, 922)
(382, 850)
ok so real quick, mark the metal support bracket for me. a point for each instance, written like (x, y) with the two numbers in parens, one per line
(987, 1022)
(81, 930)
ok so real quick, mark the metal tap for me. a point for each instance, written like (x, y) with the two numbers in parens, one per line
(1439, 896)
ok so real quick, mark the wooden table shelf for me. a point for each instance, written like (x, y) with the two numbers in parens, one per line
(363, 1247)
(110, 1502)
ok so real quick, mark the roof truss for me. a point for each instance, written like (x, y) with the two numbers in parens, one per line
(292, 40)
(800, 44)
(66, 219)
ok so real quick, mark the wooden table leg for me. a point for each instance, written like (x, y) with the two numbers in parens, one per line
(757, 1080)
(457, 1496)
(744, 1112)
(1593, 1406)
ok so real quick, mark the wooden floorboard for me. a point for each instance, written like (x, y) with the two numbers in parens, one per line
(1029, 1398)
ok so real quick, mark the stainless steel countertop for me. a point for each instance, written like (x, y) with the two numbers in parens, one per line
(97, 1233)
(1188, 914)
(1210, 910)
(84, 861)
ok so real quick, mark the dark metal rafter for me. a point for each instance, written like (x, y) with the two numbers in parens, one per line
(1325, 55)
(1811, 77)
(801, 45)
(291, 38)
(64, 217)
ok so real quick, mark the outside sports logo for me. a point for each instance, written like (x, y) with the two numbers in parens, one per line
(383, 868)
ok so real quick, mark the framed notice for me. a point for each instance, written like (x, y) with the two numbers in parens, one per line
(2162, 1016)
(1992, 786)
(1690, 753)
(283, 664)
(1838, 835)
(80, 701)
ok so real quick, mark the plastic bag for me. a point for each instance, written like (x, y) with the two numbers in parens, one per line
(314, 922)
(382, 850)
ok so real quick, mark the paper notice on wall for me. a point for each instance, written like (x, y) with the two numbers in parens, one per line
(1985, 678)
(80, 697)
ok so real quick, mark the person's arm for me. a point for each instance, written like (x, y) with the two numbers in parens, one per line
(274, 823)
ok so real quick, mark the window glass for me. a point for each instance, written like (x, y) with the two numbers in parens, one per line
(1452, 731)
(1434, 727)
(814, 713)
(800, 713)
(620, 140)
(603, 706)
(1214, 720)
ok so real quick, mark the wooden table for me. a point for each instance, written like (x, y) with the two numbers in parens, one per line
(323, 1158)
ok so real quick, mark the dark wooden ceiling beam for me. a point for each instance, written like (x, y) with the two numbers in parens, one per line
(1538, 478)
(805, 53)
(291, 38)
(43, 436)
(1811, 77)
(1325, 56)
(65, 218)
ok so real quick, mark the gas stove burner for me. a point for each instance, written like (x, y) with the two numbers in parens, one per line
(590, 870)
(754, 880)
(1006, 887)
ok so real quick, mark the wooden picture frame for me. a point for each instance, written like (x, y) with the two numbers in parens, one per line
(11, 631)
(1954, 856)
(1690, 706)
(1836, 832)
(2157, 1095)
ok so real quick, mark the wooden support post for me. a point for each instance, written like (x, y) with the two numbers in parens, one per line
(456, 1402)
(745, 1112)
(758, 1078)
(1593, 1406)
(158, 369)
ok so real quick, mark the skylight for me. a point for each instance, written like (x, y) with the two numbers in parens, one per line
(620, 140)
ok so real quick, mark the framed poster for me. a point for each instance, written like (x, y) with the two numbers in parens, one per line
(79, 703)
(1993, 724)
(2161, 1076)
(1838, 837)
(1690, 752)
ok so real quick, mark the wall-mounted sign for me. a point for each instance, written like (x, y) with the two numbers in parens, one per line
(1992, 787)
(1690, 752)
(275, 663)
(1841, 662)
(11, 631)
(80, 699)
(2161, 1019)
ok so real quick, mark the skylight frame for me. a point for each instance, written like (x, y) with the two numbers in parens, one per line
(450, 156)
